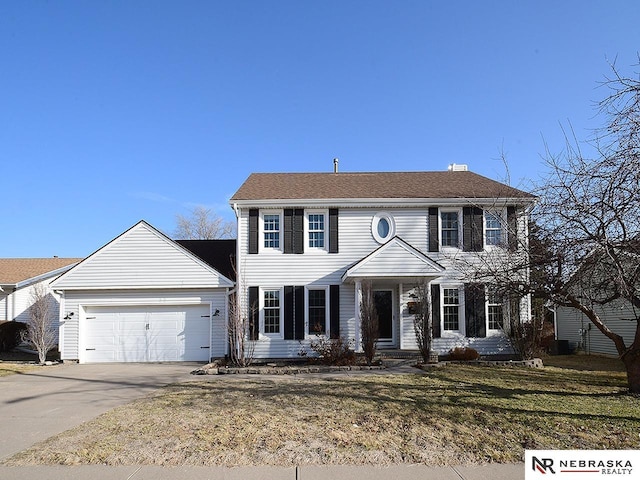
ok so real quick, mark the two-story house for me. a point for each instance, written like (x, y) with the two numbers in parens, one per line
(307, 242)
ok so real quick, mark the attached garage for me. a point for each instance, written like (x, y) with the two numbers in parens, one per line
(146, 334)
(146, 298)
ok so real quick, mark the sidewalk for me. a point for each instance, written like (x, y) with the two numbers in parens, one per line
(400, 472)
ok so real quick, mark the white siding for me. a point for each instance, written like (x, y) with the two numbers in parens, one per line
(493, 344)
(276, 269)
(75, 301)
(572, 325)
(4, 314)
(15, 306)
(142, 258)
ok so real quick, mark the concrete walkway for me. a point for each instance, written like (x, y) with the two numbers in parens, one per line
(409, 472)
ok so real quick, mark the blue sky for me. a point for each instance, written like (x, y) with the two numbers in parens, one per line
(116, 111)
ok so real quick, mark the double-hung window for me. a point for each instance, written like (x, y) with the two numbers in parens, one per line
(316, 230)
(317, 311)
(451, 309)
(495, 308)
(449, 229)
(271, 230)
(493, 228)
(271, 308)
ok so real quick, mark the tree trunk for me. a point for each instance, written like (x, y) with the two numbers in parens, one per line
(630, 356)
(632, 363)
(631, 360)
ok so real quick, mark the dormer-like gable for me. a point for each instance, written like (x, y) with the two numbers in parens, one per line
(141, 257)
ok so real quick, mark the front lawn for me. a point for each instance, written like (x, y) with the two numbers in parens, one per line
(9, 368)
(458, 414)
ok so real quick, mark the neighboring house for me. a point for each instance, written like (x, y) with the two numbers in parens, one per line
(308, 241)
(573, 326)
(593, 284)
(19, 276)
(146, 298)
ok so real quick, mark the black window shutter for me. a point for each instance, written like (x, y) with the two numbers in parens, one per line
(333, 230)
(288, 230)
(433, 229)
(474, 310)
(334, 310)
(435, 310)
(472, 229)
(298, 230)
(512, 228)
(289, 314)
(253, 230)
(254, 310)
(298, 313)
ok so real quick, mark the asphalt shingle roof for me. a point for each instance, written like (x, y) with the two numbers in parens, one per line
(220, 254)
(409, 185)
(16, 270)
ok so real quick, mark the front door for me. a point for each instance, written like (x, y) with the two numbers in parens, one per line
(384, 308)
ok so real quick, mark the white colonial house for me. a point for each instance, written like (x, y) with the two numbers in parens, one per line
(307, 241)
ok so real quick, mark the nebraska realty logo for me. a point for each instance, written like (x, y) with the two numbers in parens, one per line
(563, 464)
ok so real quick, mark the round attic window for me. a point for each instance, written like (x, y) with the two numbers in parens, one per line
(383, 227)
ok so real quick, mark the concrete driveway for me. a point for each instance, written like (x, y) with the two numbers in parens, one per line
(36, 405)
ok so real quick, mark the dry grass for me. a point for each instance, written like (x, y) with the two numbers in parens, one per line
(454, 415)
(7, 368)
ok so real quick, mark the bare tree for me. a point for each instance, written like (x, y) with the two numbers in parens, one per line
(589, 213)
(584, 247)
(422, 323)
(369, 328)
(241, 347)
(41, 329)
(203, 224)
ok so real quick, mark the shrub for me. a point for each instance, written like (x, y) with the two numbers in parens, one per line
(11, 334)
(463, 353)
(333, 351)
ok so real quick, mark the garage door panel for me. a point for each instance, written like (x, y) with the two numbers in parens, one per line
(146, 334)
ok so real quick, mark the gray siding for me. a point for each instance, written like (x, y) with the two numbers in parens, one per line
(572, 325)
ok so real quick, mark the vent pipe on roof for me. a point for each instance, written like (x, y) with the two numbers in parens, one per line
(458, 168)
(335, 165)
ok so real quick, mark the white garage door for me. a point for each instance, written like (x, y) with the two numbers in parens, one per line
(146, 334)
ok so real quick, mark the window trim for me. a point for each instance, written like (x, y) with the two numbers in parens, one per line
(458, 212)
(461, 309)
(488, 303)
(375, 221)
(262, 291)
(500, 214)
(261, 232)
(307, 230)
(327, 310)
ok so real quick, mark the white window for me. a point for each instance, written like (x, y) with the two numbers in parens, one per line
(271, 231)
(452, 309)
(317, 310)
(493, 228)
(383, 227)
(495, 309)
(316, 231)
(450, 228)
(272, 312)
